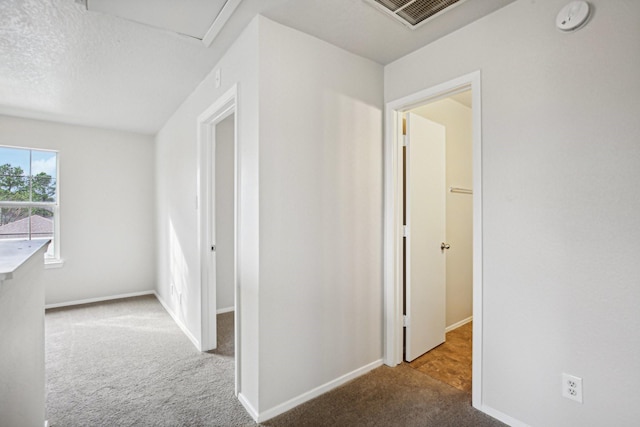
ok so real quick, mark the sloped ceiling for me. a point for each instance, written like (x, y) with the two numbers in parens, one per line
(63, 63)
(192, 18)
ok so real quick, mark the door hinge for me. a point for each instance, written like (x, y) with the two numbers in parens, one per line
(405, 231)
(405, 321)
(405, 141)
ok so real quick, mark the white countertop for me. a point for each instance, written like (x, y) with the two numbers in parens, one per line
(14, 253)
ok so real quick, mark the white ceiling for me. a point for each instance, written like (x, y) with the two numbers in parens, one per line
(362, 29)
(63, 63)
(192, 18)
(463, 98)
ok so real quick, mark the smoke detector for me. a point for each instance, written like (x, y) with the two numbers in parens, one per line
(414, 13)
(573, 16)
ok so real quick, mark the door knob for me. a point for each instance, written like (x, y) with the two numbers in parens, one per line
(444, 246)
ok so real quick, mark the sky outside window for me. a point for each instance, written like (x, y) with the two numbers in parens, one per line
(42, 161)
(15, 157)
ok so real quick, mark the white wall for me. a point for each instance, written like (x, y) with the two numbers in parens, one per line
(320, 213)
(22, 376)
(560, 206)
(177, 227)
(224, 159)
(456, 118)
(310, 176)
(107, 221)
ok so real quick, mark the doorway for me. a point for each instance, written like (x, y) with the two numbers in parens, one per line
(394, 202)
(438, 300)
(222, 231)
(217, 224)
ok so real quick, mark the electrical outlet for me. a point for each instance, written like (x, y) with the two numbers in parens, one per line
(572, 387)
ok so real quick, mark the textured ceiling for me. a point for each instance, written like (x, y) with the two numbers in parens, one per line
(63, 63)
(192, 18)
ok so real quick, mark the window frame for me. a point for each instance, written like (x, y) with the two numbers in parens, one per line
(54, 260)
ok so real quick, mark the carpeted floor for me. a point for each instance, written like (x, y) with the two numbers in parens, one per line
(126, 363)
(399, 396)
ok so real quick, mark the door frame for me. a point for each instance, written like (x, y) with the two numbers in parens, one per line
(222, 108)
(393, 202)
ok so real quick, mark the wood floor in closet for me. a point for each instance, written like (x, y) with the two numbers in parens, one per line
(450, 362)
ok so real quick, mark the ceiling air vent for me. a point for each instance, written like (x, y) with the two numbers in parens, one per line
(413, 13)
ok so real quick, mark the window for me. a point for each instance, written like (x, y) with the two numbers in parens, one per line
(29, 197)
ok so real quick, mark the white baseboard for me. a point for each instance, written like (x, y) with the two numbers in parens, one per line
(181, 325)
(502, 417)
(248, 407)
(99, 299)
(458, 324)
(305, 397)
(225, 310)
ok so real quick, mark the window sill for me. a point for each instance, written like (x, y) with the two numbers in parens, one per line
(53, 263)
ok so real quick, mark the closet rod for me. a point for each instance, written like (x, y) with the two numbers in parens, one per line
(460, 190)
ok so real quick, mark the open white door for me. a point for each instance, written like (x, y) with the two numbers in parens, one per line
(213, 272)
(209, 304)
(425, 215)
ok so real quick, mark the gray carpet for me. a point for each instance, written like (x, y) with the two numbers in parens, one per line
(126, 363)
(400, 396)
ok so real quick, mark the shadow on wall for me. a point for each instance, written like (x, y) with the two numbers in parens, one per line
(178, 270)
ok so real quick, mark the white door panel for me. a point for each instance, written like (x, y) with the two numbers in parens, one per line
(425, 260)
